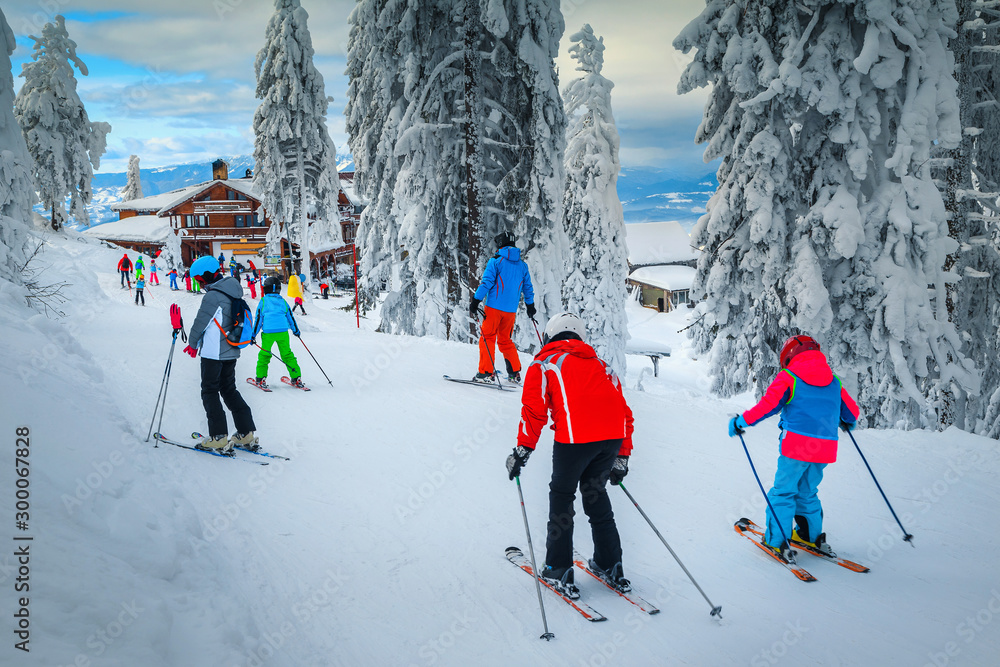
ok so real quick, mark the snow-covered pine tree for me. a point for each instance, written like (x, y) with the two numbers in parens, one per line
(827, 221)
(598, 266)
(296, 161)
(456, 115)
(64, 144)
(526, 135)
(133, 185)
(971, 191)
(375, 107)
(17, 192)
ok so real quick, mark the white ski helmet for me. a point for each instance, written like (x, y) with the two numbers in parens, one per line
(562, 323)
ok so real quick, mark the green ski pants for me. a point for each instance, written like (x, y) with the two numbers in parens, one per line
(267, 340)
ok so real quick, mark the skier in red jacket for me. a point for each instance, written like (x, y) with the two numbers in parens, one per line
(125, 269)
(593, 440)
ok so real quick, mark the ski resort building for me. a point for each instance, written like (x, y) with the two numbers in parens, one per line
(661, 264)
(220, 216)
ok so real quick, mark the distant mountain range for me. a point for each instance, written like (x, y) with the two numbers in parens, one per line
(648, 194)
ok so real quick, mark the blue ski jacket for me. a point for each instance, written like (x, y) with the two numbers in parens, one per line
(506, 277)
(274, 316)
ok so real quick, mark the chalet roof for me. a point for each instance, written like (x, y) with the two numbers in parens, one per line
(347, 185)
(658, 243)
(138, 229)
(163, 202)
(670, 278)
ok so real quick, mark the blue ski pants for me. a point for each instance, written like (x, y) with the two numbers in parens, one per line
(794, 500)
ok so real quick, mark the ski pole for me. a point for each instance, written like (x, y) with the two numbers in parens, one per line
(314, 359)
(496, 373)
(536, 332)
(907, 537)
(546, 635)
(769, 506)
(716, 609)
(163, 389)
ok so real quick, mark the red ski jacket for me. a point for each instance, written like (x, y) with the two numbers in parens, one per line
(124, 264)
(583, 394)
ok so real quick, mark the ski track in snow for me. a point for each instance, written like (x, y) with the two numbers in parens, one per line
(381, 542)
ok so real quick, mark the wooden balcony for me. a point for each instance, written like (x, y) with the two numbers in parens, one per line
(223, 206)
(206, 233)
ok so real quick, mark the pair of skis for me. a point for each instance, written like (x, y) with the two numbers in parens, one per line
(755, 534)
(488, 385)
(284, 378)
(159, 437)
(517, 557)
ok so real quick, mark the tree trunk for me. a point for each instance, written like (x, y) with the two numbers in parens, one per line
(473, 157)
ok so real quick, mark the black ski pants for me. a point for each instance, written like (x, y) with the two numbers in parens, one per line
(139, 295)
(589, 466)
(126, 277)
(218, 378)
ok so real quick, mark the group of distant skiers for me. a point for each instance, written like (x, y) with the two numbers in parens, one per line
(567, 382)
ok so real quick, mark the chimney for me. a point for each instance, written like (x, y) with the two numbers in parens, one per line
(220, 170)
(249, 173)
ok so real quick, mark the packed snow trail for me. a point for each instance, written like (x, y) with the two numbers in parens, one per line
(381, 541)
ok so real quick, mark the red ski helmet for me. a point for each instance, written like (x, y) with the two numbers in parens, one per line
(794, 346)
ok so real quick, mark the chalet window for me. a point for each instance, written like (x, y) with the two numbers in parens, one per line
(205, 197)
(230, 195)
(189, 221)
(257, 222)
(201, 220)
(241, 220)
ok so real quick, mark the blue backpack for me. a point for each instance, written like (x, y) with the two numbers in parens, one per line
(242, 332)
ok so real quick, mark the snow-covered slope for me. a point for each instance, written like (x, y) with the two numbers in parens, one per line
(381, 542)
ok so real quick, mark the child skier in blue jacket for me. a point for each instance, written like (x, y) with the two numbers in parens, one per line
(273, 320)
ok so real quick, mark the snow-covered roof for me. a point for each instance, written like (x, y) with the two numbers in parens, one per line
(138, 228)
(658, 243)
(165, 201)
(347, 185)
(671, 278)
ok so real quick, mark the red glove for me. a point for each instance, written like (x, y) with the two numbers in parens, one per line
(192, 351)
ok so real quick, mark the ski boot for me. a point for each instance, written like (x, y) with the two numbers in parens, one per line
(485, 378)
(561, 579)
(247, 441)
(217, 443)
(261, 383)
(297, 382)
(819, 545)
(514, 378)
(614, 577)
(784, 552)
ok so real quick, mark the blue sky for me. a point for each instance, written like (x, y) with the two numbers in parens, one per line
(175, 79)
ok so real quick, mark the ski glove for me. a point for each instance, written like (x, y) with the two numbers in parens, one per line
(619, 470)
(530, 307)
(474, 312)
(516, 460)
(192, 351)
(737, 425)
(847, 426)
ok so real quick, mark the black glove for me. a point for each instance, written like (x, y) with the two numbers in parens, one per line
(619, 470)
(847, 426)
(530, 307)
(474, 308)
(516, 460)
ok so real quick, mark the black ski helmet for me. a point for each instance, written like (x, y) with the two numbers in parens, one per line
(504, 239)
(272, 286)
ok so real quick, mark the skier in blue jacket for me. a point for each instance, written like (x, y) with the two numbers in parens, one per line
(505, 279)
(273, 320)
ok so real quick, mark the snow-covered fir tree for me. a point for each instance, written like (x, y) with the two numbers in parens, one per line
(296, 161)
(457, 120)
(133, 185)
(16, 187)
(375, 106)
(972, 192)
(64, 144)
(598, 266)
(827, 221)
